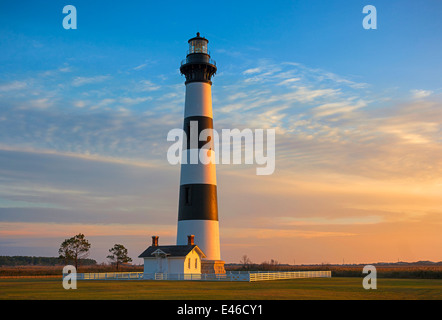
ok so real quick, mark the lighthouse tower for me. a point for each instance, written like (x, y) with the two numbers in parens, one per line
(198, 204)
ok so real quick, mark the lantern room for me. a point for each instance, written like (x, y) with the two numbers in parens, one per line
(198, 45)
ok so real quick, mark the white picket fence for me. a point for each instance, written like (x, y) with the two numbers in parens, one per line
(110, 276)
(229, 276)
(261, 276)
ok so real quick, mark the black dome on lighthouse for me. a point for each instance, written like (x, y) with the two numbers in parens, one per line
(198, 37)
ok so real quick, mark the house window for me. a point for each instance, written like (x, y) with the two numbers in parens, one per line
(196, 263)
(188, 261)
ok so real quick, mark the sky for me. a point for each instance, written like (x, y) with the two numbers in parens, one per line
(84, 116)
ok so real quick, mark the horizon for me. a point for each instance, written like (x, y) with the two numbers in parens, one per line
(420, 262)
(85, 113)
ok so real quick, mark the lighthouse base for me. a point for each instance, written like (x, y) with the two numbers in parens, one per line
(212, 266)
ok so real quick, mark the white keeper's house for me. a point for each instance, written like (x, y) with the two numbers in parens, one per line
(182, 259)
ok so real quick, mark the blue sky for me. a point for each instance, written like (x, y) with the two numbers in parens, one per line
(84, 116)
(316, 32)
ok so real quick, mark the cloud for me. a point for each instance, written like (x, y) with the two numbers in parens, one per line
(347, 164)
(61, 187)
(12, 86)
(289, 81)
(98, 131)
(141, 66)
(131, 101)
(146, 85)
(80, 104)
(252, 71)
(304, 94)
(329, 109)
(267, 233)
(14, 230)
(65, 69)
(42, 103)
(103, 103)
(81, 81)
(314, 221)
(329, 123)
(339, 79)
(420, 94)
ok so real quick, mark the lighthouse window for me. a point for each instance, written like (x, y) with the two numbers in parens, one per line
(188, 134)
(198, 46)
(187, 196)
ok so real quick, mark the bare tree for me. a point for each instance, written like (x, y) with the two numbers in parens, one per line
(246, 262)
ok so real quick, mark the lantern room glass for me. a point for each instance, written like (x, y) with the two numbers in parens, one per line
(198, 46)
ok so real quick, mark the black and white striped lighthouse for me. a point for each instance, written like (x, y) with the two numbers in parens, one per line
(198, 204)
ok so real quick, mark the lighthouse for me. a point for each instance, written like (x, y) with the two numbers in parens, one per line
(198, 203)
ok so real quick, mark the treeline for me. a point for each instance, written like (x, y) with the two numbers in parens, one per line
(398, 272)
(35, 271)
(38, 261)
(407, 270)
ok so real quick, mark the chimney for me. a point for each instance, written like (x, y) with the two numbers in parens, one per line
(190, 240)
(154, 241)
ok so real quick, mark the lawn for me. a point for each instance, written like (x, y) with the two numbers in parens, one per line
(296, 289)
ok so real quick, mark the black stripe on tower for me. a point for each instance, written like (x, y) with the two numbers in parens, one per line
(203, 123)
(198, 202)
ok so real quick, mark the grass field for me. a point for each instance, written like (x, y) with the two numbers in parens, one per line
(297, 289)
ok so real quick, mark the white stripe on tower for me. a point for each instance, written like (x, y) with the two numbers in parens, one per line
(198, 172)
(198, 204)
(198, 99)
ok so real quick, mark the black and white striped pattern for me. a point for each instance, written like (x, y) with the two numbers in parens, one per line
(198, 204)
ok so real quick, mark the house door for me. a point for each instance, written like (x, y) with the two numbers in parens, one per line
(161, 265)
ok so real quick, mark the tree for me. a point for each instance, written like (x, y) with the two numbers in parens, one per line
(246, 262)
(119, 255)
(74, 249)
